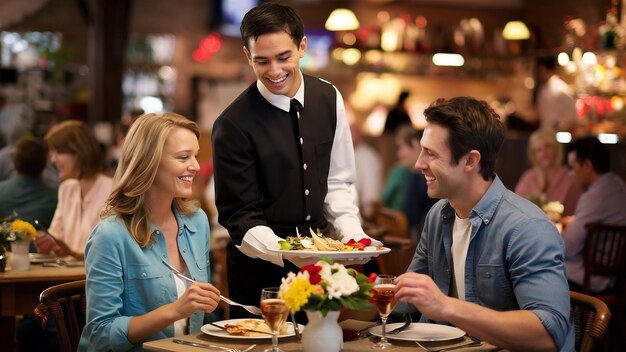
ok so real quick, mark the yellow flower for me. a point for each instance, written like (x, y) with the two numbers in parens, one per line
(297, 294)
(23, 229)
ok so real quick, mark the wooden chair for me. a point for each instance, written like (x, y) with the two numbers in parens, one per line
(591, 320)
(605, 255)
(66, 304)
(394, 222)
(397, 261)
(605, 252)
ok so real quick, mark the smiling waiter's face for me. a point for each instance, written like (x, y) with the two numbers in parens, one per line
(274, 57)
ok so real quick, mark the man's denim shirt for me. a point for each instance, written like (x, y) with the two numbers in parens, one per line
(514, 260)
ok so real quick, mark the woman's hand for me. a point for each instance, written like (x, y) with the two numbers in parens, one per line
(44, 242)
(199, 296)
(47, 243)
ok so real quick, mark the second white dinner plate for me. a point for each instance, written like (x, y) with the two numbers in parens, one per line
(217, 332)
(36, 258)
(421, 332)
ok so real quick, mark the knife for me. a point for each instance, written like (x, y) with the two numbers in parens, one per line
(203, 345)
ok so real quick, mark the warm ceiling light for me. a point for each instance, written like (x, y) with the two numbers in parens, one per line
(351, 56)
(342, 20)
(444, 59)
(515, 30)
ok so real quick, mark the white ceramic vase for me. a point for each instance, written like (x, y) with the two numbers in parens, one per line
(19, 256)
(322, 333)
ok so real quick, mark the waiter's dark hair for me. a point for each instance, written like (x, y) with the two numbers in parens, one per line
(472, 125)
(270, 17)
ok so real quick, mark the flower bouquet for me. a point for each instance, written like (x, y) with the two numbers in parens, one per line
(326, 286)
(322, 289)
(13, 230)
(554, 210)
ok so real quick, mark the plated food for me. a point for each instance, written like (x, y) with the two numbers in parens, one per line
(251, 327)
(319, 242)
(219, 329)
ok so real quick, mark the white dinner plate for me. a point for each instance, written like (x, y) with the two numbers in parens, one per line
(36, 258)
(353, 257)
(421, 332)
(215, 331)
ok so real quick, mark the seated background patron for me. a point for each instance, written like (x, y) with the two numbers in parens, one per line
(26, 193)
(602, 202)
(548, 179)
(79, 159)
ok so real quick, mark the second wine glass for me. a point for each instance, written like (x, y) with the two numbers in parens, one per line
(383, 294)
(275, 313)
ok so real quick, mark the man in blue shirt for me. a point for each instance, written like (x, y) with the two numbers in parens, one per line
(488, 262)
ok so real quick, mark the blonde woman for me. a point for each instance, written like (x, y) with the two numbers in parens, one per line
(548, 180)
(79, 160)
(149, 220)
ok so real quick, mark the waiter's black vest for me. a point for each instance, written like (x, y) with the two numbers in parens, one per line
(278, 154)
(292, 168)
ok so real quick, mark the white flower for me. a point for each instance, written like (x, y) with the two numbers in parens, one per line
(341, 283)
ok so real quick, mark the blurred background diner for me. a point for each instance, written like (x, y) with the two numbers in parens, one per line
(553, 70)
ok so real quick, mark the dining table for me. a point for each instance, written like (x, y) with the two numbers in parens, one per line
(20, 290)
(293, 344)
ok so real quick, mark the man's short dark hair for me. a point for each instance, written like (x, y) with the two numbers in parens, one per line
(30, 156)
(271, 18)
(472, 125)
(590, 148)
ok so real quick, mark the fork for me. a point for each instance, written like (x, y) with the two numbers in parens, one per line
(252, 309)
(213, 347)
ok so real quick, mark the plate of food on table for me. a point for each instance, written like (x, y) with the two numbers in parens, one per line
(318, 245)
(246, 329)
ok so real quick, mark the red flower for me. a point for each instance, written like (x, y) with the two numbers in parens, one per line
(371, 278)
(314, 276)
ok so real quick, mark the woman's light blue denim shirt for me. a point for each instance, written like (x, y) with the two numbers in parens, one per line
(514, 261)
(125, 280)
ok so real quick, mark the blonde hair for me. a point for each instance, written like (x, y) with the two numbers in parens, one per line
(549, 137)
(76, 138)
(139, 162)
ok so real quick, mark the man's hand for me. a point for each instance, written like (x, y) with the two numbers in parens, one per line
(420, 291)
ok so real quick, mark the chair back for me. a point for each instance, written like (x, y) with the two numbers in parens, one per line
(393, 221)
(605, 252)
(398, 259)
(591, 320)
(66, 304)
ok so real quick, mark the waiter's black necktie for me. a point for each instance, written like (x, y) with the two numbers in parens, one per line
(294, 107)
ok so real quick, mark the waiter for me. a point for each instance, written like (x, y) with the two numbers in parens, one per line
(283, 157)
